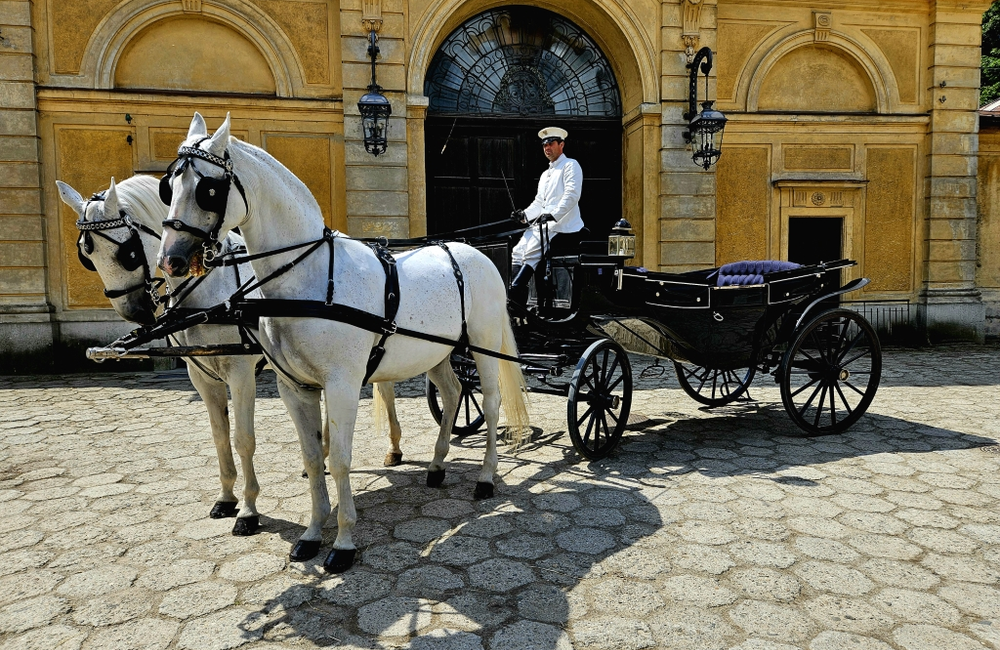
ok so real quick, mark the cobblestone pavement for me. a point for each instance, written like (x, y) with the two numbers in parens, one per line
(706, 529)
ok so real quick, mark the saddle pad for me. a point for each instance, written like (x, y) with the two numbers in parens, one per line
(750, 271)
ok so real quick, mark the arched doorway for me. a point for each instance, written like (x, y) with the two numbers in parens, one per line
(494, 82)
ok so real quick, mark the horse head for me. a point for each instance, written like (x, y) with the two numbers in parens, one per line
(197, 187)
(110, 244)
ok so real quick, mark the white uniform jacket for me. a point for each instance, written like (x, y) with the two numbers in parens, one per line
(559, 191)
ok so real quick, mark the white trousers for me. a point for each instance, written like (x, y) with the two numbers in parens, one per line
(528, 251)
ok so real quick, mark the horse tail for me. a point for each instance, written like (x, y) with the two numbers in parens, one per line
(379, 412)
(513, 390)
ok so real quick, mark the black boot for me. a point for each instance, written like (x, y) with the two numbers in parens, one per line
(517, 297)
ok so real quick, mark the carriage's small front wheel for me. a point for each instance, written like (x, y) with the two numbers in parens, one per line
(713, 387)
(831, 371)
(469, 418)
(599, 400)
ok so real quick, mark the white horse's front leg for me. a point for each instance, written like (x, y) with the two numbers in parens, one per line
(342, 414)
(243, 386)
(450, 389)
(489, 381)
(213, 393)
(304, 409)
(387, 392)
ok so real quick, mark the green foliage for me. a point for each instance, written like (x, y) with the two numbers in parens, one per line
(990, 83)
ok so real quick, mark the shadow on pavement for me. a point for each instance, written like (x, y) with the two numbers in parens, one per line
(502, 568)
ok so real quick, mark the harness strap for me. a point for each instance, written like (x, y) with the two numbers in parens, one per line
(391, 305)
(262, 307)
(460, 280)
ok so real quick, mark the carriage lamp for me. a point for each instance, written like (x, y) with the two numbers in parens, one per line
(621, 241)
(374, 108)
(704, 128)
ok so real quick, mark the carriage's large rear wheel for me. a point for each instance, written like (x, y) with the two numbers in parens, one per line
(831, 371)
(713, 387)
(599, 400)
(469, 418)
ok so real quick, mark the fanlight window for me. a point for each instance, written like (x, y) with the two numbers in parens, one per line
(521, 61)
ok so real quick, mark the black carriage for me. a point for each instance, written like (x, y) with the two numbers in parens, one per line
(719, 327)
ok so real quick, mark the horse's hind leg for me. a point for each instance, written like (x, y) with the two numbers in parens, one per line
(386, 391)
(213, 393)
(489, 382)
(449, 388)
(304, 409)
(243, 386)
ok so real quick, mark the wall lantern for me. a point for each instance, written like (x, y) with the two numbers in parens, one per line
(375, 108)
(704, 128)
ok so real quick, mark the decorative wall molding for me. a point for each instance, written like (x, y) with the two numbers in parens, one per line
(692, 27)
(191, 6)
(371, 15)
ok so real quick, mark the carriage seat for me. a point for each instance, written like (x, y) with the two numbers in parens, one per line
(750, 271)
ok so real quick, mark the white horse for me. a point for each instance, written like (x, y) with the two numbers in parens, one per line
(274, 210)
(107, 244)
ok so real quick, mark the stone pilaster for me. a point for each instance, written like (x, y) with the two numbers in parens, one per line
(951, 305)
(687, 193)
(24, 303)
(377, 187)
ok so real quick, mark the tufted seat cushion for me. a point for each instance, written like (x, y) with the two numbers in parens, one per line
(750, 271)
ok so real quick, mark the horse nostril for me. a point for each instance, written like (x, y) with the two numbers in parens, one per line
(176, 263)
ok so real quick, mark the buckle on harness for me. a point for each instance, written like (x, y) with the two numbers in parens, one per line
(389, 329)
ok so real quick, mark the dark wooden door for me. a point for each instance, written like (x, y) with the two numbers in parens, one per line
(469, 158)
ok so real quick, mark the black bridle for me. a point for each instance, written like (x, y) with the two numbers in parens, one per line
(211, 194)
(130, 253)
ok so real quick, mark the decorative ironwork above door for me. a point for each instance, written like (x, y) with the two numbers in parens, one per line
(521, 61)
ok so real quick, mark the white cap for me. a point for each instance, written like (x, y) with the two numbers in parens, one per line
(552, 133)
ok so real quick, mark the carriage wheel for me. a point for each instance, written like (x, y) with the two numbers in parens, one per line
(469, 418)
(599, 400)
(713, 387)
(831, 371)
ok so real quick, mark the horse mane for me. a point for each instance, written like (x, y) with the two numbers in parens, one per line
(243, 152)
(139, 196)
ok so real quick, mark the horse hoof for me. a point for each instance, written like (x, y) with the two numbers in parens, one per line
(246, 526)
(435, 478)
(339, 560)
(223, 509)
(483, 491)
(304, 549)
(393, 458)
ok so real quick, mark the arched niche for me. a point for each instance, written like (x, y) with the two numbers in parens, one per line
(193, 54)
(133, 22)
(817, 78)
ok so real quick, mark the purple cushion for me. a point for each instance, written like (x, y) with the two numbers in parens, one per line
(750, 271)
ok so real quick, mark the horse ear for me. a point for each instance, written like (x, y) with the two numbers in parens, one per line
(220, 139)
(71, 198)
(111, 202)
(198, 126)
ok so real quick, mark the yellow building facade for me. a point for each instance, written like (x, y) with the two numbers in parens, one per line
(852, 131)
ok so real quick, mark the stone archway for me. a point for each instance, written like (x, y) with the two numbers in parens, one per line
(495, 81)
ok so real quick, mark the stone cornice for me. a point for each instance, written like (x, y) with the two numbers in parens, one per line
(884, 6)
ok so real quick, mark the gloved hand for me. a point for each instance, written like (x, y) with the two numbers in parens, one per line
(518, 217)
(542, 218)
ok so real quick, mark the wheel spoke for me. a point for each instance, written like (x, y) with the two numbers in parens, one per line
(819, 406)
(855, 358)
(803, 387)
(811, 398)
(612, 387)
(590, 409)
(843, 398)
(854, 388)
